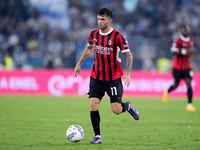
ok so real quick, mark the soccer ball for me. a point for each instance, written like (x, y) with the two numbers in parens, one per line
(75, 133)
(183, 51)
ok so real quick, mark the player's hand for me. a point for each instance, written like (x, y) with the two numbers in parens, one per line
(194, 50)
(77, 70)
(127, 79)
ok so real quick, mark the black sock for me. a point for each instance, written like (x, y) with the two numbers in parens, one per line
(189, 95)
(171, 88)
(95, 119)
(124, 107)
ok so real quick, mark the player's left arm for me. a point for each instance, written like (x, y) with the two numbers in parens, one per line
(124, 46)
(129, 61)
(192, 50)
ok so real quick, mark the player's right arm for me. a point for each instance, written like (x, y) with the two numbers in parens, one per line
(176, 48)
(87, 51)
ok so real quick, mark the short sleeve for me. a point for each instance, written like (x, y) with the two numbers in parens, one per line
(176, 46)
(90, 39)
(123, 44)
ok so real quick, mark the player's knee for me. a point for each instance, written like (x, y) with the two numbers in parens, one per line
(189, 86)
(116, 108)
(175, 85)
(116, 111)
(188, 83)
(94, 104)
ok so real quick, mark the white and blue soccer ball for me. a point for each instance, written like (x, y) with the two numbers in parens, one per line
(75, 133)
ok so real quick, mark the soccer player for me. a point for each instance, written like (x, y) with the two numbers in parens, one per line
(106, 72)
(182, 48)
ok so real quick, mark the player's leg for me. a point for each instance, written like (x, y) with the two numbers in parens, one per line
(94, 115)
(188, 79)
(116, 107)
(95, 93)
(119, 108)
(115, 92)
(189, 89)
(177, 76)
(95, 119)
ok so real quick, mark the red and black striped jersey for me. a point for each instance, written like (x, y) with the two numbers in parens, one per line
(107, 64)
(182, 62)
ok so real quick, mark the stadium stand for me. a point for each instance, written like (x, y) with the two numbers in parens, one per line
(28, 38)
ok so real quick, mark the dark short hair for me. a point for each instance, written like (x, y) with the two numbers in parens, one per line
(105, 12)
(183, 26)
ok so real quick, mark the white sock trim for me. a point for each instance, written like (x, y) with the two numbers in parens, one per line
(98, 136)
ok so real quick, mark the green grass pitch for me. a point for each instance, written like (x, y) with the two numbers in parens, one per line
(33, 122)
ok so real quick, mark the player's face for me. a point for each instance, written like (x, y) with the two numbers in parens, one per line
(185, 31)
(103, 22)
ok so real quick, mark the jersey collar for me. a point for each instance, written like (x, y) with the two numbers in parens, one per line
(106, 32)
(185, 39)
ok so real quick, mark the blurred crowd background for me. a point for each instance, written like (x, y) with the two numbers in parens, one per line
(28, 40)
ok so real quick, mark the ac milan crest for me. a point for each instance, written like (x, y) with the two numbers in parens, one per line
(109, 42)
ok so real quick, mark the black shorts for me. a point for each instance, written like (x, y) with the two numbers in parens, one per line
(113, 88)
(182, 74)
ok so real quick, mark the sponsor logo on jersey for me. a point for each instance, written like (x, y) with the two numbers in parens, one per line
(103, 50)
